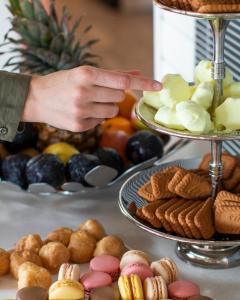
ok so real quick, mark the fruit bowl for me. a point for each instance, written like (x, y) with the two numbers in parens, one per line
(100, 177)
(146, 114)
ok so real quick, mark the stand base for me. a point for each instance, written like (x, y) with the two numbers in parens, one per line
(211, 257)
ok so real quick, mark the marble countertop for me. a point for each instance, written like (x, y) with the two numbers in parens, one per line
(22, 213)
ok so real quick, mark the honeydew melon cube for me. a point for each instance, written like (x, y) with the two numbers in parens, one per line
(194, 117)
(166, 116)
(203, 94)
(228, 114)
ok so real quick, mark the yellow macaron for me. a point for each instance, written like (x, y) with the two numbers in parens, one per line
(130, 287)
(136, 287)
(125, 287)
(66, 290)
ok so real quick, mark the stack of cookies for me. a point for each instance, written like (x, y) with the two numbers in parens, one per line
(181, 203)
(204, 6)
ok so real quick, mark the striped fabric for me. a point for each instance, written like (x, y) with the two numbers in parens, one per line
(232, 58)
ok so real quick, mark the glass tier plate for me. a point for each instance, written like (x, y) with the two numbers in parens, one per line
(128, 194)
(146, 114)
(226, 16)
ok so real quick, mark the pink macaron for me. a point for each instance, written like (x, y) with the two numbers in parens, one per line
(107, 264)
(183, 289)
(92, 280)
(142, 270)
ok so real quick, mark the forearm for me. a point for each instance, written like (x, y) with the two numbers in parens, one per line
(13, 93)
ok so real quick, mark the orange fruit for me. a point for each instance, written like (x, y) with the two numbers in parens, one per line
(119, 123)
(126, 106)
(116, 139)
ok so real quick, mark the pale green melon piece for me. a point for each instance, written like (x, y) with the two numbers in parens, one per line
(152, 99)
(193, 117)
(175, 89)
(166, 116)
(203, 94)
(228, 114)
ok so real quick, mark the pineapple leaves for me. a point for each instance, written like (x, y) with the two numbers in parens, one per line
(64, 22)
(39, 12)
(46, 43)
(56, 45)
(27, 9)
(14, 7)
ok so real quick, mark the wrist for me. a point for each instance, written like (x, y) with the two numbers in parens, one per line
(32, 107)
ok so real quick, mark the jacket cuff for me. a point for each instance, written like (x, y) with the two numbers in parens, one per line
(13, 93)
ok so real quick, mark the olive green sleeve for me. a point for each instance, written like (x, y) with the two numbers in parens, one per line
(13, 93)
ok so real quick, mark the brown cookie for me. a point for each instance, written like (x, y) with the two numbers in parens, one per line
(182, 219)
(146, 192)
(160, 213)
(227, 199)
(176, 179)
(132, 208)
(219, 8)
(171, 209)
(228, 160)
(193, 186)
(174, 221)
(190, 220)
(197, 4)
(159, 182)
(140, 214)
(230, 183)
(204, 219)
(149, 213)
(227, 221)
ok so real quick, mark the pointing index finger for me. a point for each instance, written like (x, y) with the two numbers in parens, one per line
(124, 81)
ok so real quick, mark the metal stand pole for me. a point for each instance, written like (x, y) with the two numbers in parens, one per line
(219, 27)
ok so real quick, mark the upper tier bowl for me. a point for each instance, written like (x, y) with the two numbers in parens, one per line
(146, 114)
(226, 16)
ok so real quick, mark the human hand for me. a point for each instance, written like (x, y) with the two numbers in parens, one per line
(81, 98)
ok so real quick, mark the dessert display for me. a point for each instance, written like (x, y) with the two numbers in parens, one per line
(204, 6)
(126, 275)
(185, 107)
(179, 201)
(29, 160)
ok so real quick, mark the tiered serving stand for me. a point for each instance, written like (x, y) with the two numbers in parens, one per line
(222, 251)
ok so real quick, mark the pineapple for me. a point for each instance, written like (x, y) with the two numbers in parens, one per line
(47, 44)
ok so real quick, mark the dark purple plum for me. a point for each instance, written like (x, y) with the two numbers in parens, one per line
(45, 168)
(26, 139)
(110, 157)
(13, 169)
(144, 145)
(79, 165)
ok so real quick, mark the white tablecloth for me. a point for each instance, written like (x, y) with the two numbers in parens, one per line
(22, 213)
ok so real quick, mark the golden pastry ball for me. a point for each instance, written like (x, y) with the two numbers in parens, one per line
(110, 245)
(61, 235)
(17, 258)
(31, 242)
(4, 262)
(53, 255)
(31, 275)
(94, 228)
(81, 246)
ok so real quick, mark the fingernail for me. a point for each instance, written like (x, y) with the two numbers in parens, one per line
(157, 85)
